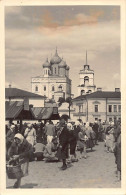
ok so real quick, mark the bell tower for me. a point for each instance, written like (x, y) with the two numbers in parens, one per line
(86, 85)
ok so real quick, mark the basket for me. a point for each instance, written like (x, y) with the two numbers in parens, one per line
(14, 172)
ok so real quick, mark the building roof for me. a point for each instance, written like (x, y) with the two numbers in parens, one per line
(19, 93)
(99, 94)
(46, 64)
(15, 110)
(55, 59)
(62, 63)
(44, 113)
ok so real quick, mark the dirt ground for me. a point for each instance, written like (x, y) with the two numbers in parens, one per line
(97, 171)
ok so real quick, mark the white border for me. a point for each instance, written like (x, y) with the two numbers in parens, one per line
(87, 191)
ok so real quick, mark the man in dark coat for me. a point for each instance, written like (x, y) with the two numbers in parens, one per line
(63, 135)
(95, 129)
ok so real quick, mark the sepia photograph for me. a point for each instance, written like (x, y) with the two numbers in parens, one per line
(63, 96)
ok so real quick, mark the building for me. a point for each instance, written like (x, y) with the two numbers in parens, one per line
(14, 94)
(86, 85)
(104, 105)
(25, 106)
(54, 82)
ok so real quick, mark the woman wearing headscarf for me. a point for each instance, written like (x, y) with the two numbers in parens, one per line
(90, 134)
(20, 150)
(82, 139)
(30, 134)
(110, 140)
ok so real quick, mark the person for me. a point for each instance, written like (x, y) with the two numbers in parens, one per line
(117, 130)
(39, 150)
(117, 153)
(20, 150)
(10, 136)
(63, 135)
(72, 144)
(50, 152)
(39, 136)
(90, 134)
(100, 131)
(105, 126)
(95, 129)
(30, 134)
(82, 138)
(50, 131)
(110, 138)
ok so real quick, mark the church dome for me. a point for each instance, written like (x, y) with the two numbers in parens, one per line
(67, 68)
(62, 63)
(46, 64)
(55, 59)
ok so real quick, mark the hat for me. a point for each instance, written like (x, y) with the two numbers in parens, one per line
(70, 125)
(29, 124)
(19, 136)
(77, 123)
(12, 126)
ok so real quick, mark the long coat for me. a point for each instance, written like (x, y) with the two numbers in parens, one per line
(64, 141)
(24, 151)
(117, 153)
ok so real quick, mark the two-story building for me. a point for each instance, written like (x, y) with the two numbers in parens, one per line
(104, 105)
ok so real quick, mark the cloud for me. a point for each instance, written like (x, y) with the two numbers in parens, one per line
(13, 10)
(27, 49)
(81, 19)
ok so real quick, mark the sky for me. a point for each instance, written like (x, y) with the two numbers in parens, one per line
(32, 34)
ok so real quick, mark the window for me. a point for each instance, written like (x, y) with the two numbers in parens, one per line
(55, 70)
(115, 108)
(86, 80)
(96, 108)
(44, 88)
(110, 108)
(110, 119)
(53, 89)
(119, 108)
(96, 119)
(52, 96)
(79, 108)
(36, 88)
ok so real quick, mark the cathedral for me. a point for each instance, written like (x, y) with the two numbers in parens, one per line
(55, 81)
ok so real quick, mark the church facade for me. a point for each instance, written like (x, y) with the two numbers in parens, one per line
(55, 81)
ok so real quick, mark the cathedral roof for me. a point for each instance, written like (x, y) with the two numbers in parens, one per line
(46, 64)
(67, 68)
(55, 59)
(62, 63)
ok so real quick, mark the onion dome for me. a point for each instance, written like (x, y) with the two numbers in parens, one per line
(55, 59)
(46, 64)
(62, 63)
(67, 68)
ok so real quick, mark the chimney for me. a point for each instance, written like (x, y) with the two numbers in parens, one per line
(99, 89)
(117, 89)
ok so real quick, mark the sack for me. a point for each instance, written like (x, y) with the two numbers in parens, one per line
(14, 172)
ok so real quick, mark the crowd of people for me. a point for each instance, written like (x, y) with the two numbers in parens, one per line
(66, 141)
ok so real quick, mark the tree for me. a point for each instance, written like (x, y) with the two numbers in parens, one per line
(61, 100)
(69, 101)
(65, 117)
